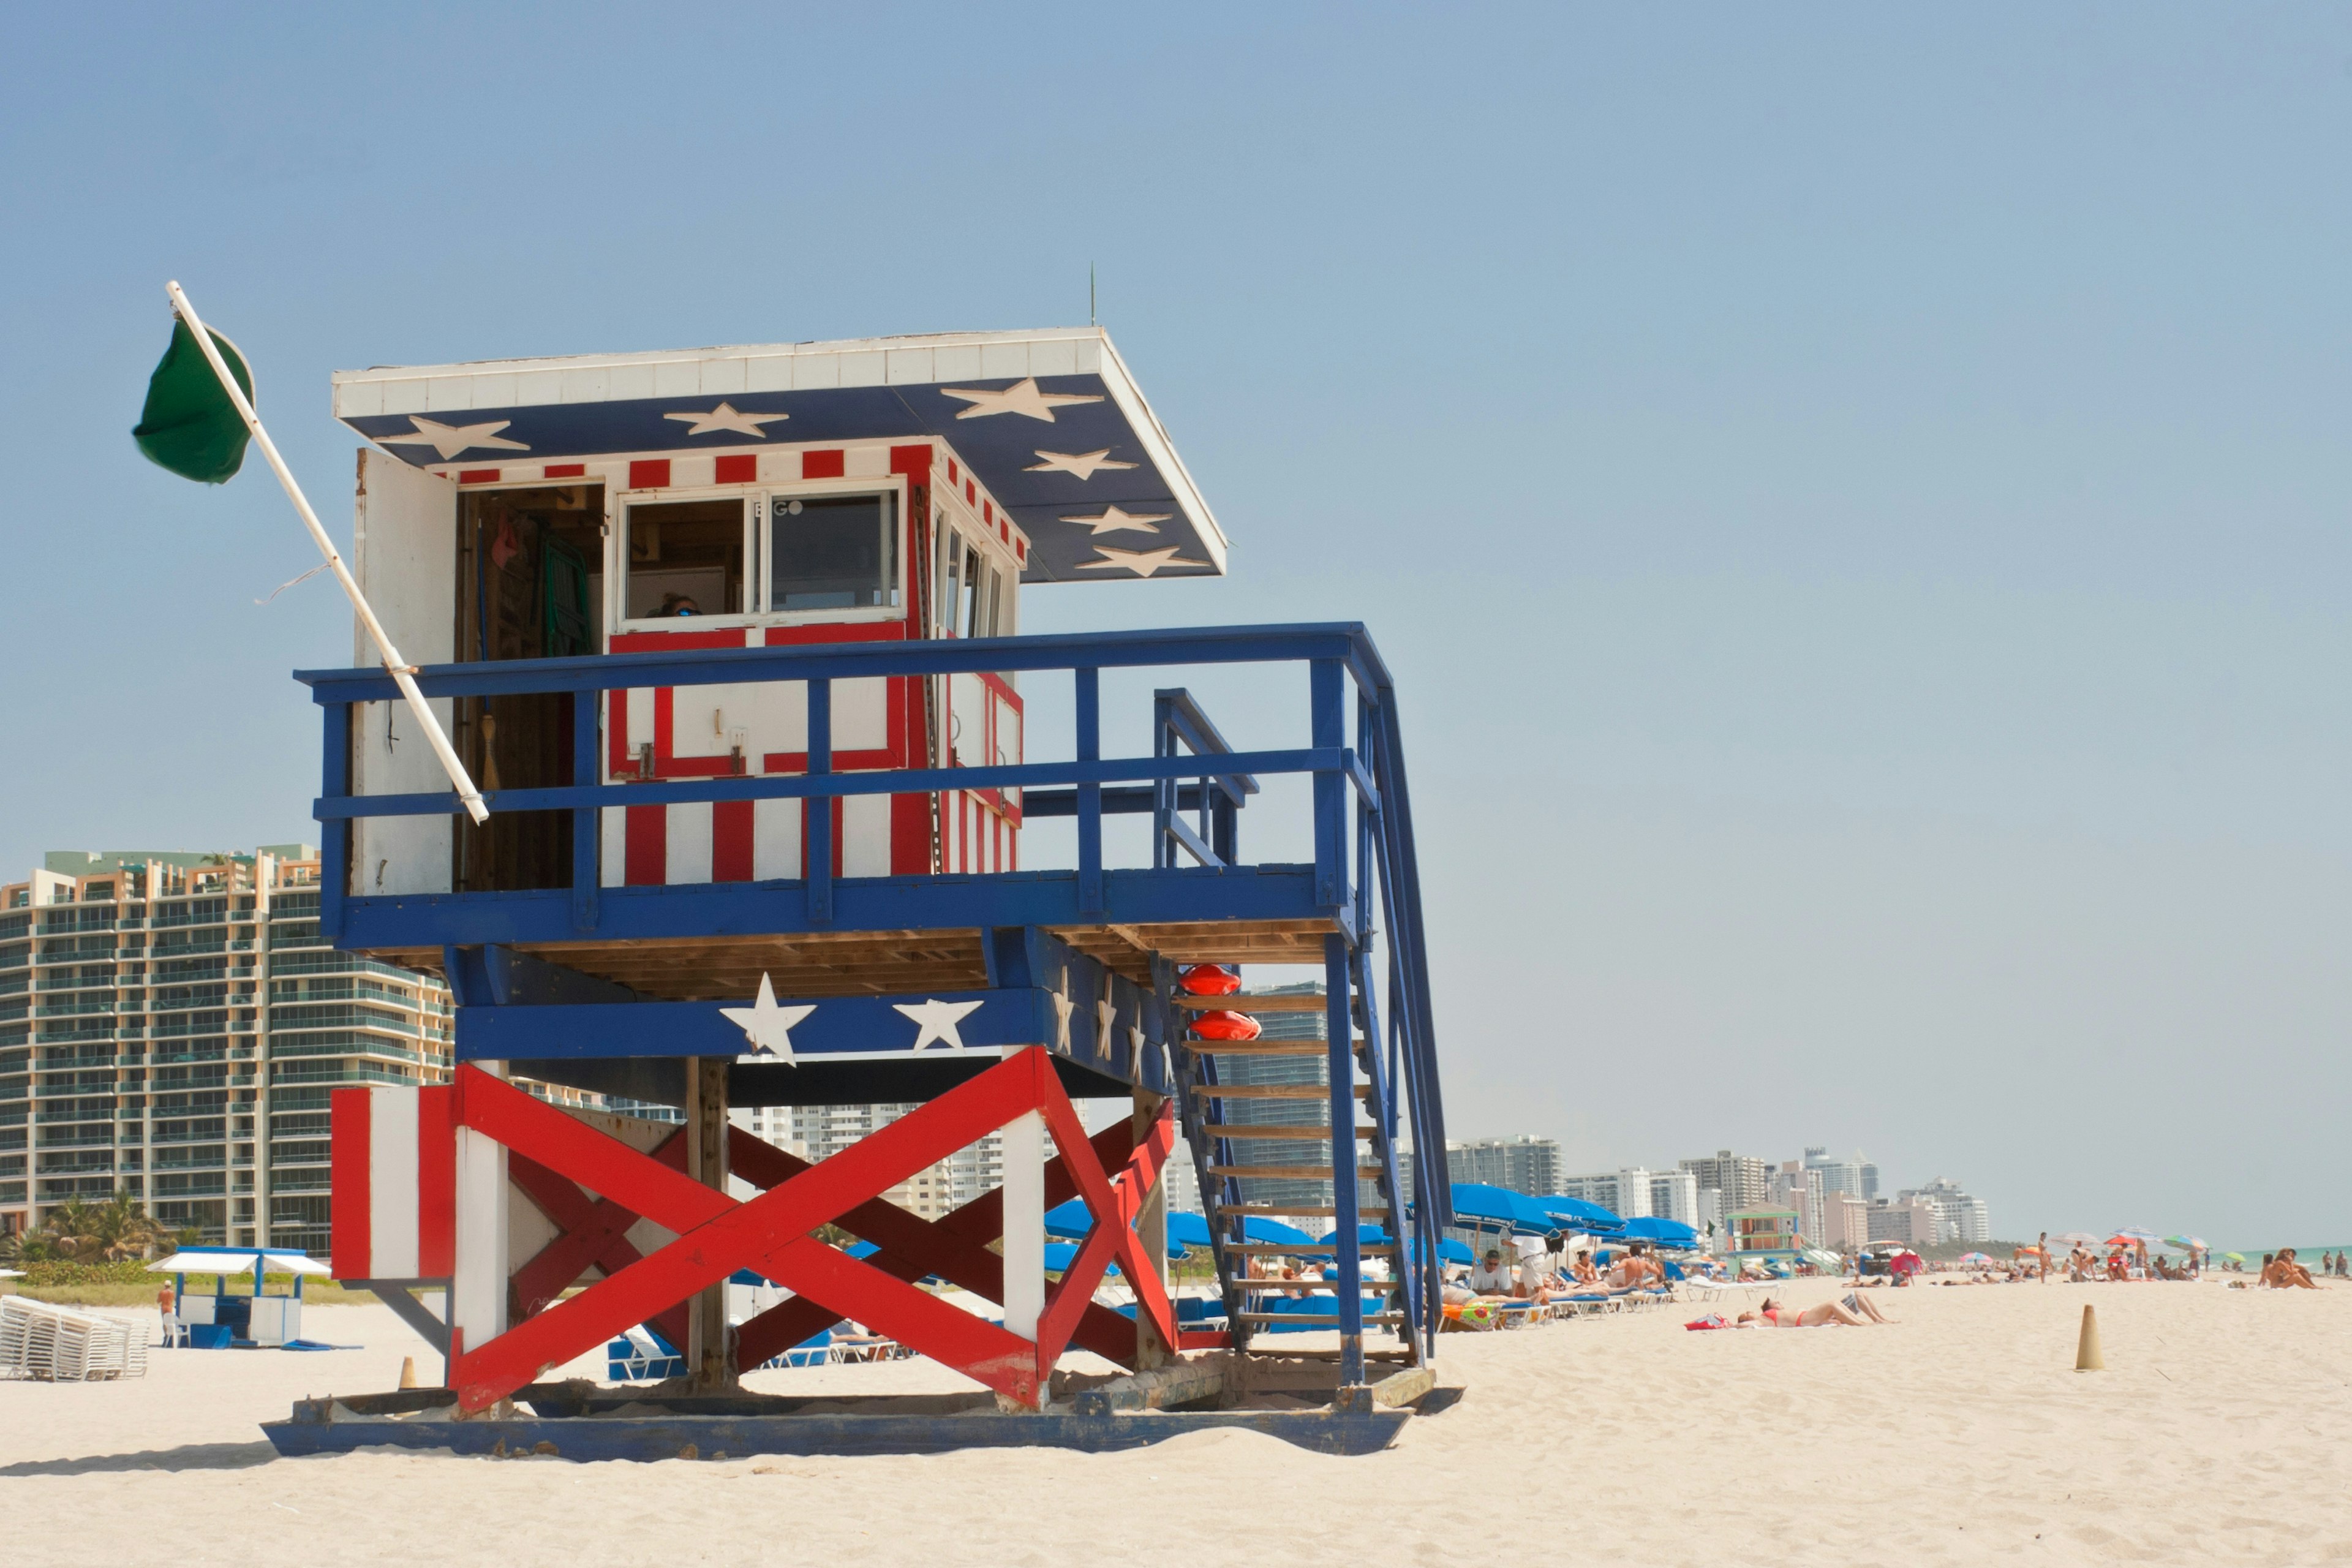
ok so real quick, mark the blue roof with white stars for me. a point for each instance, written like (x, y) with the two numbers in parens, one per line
(1050, 422)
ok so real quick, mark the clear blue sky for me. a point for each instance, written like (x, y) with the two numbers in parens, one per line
(1857, 498)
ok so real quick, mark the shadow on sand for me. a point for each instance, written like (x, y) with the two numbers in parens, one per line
(188, 1457)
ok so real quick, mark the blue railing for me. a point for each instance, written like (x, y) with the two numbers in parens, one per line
(1191, 769)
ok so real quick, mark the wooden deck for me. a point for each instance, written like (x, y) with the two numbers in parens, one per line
(871, 962)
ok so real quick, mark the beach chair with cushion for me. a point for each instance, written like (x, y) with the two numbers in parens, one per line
(640, 1355)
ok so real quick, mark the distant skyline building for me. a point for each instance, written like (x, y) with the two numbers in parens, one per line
(1526, 1164)
(1800, 1190)
(1625, 1193)
(1740, 1181)
(1911, 1221)
(1957, 1215)
(1837, 1173)
(1674, 1195)
(1845, 1222)
(1634, 1192)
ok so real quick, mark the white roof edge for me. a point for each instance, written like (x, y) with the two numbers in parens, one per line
(725, 351)
(1162, 451)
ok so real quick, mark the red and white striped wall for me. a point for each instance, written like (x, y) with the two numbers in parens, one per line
(769, 465)
(395, 1160)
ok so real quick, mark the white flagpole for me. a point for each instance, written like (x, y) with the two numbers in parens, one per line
(403, 675)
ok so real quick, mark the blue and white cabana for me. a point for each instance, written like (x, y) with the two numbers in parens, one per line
(221, 1321)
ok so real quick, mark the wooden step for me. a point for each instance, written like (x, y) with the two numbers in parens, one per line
(1239, 1002)
(1254, 1048)
(1287, 1173)
(1274, 1091)
(1294, 1316)
(1260, 1047)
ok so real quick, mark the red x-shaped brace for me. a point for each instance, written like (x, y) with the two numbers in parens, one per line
(595, 1231)
(954, 1248)
(770, 1234)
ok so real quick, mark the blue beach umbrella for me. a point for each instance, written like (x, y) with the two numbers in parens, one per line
(1576, 1213)
(1664, 1232)
(1480, 1206)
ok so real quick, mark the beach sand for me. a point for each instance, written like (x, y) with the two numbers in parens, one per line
(2220, 1432)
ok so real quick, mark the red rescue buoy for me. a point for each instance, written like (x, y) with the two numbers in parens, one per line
(1225, 1025)
(1211, 979)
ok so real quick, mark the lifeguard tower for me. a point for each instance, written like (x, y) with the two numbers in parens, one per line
(730, 638)
(1763, 1236)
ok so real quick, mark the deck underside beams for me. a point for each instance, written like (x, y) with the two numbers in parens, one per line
(868, 962)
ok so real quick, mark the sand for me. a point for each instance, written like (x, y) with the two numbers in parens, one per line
(2221, 1432)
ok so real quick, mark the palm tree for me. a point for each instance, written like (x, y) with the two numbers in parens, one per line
(111, 1232)
(19, 1248)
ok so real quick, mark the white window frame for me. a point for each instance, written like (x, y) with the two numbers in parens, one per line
(764, 522)
(628, 499)
(967, 522)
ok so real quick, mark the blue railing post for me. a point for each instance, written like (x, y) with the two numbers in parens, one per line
(1341, 1026)
(1328, 730)
(587, 826)
(1090, 848)
(335, 837)
(1165, 793)
(1367, 820)
(818, 852)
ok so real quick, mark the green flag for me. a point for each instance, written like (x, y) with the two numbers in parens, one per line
(189, 426)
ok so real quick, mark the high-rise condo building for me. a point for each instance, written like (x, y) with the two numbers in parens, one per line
(1744, 1181)
(171, 1027)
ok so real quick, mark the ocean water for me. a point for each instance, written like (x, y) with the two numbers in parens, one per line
(2306, 1253)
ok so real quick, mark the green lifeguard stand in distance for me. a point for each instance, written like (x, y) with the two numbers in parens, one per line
(1763, 1234)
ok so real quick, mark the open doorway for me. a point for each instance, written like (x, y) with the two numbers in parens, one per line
(530, 584)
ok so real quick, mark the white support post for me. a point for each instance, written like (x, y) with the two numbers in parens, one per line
(478, 1288)
(1024, 1223)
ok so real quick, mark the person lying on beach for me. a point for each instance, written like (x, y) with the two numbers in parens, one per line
(2118, 1266)
(1856, 1311)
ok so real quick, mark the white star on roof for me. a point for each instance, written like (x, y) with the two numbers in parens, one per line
(767, 1027)
(1142, 562)
(936, 1020)
(1080, 465)
(1020, 398)
(1063, 1008)
(724, 417)
(451, 439)
(1135, 1043)
(1106, 1020)
(1111, 519)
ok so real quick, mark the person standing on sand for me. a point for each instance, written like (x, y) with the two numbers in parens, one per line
(2041, 1250)
(167, 1305)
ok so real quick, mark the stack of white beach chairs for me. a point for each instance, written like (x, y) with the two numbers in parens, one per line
(56, 1345)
